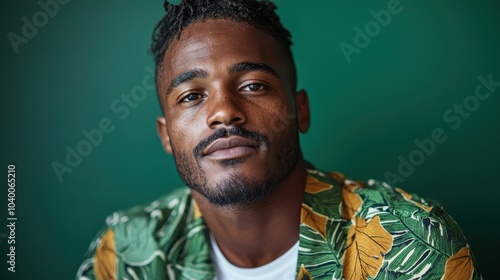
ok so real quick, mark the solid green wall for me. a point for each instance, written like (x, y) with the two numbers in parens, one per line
(71, 74)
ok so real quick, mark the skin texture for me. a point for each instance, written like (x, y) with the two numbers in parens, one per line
(229, 83)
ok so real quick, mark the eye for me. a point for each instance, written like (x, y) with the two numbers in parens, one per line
(190, 97)
(254, 87)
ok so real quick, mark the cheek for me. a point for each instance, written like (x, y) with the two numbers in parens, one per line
(178, 142)
(178, 136)
(185, 133)
(277, 118)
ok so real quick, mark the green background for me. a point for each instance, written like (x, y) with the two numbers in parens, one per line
(365, 114)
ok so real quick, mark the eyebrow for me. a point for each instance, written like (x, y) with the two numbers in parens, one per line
(186, 77)
(236, 68)
(253, 66)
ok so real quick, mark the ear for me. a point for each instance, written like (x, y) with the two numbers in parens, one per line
(303, 112)
(161, 127)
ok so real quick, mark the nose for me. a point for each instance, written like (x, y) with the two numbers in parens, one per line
(226, 109)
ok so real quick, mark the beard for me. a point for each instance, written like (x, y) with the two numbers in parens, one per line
(237, 188)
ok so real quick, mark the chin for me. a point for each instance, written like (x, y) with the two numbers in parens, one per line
(237, 189)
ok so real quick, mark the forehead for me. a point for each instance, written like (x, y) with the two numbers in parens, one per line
(215, 45)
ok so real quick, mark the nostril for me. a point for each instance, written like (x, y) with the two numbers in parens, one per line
(216, 123)
(233, 121)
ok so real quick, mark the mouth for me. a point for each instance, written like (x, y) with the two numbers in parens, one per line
(230, 148)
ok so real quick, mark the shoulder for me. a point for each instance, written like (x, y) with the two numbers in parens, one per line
(141, 230)
(160, 212)
(391, 233)
(380, 197)
(138, 237)
(398, 233)
(348, 197)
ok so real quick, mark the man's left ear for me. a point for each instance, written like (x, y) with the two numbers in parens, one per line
(303, 112)
(161, 127)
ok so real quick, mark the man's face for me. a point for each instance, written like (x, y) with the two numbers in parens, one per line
(230, 111)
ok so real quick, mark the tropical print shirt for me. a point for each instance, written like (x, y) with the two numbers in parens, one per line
(349, 230)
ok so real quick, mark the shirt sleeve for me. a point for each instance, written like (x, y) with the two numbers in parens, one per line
(421, 240)
(101, 259)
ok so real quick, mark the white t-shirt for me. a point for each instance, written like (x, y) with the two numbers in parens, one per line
(282, 268)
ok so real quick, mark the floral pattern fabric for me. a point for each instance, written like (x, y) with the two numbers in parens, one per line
(349, 230)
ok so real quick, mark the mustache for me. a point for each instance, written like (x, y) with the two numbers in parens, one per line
(233, 131)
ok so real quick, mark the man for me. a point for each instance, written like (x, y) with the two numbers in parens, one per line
(255, 209)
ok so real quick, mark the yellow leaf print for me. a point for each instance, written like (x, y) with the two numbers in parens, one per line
(314, 186)
(459, 266)
(313, 220)
(337, 176)
(105, 258)
(408, 197)
(196, 210)
(304, 274)
(367, 244)
(351, 202)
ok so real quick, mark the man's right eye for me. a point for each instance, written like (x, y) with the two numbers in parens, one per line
(191, 97)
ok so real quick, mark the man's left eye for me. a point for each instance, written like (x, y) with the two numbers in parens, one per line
(253, 87)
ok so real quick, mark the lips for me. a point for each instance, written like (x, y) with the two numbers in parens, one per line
(229, 143)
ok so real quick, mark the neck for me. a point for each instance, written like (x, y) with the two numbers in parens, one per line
(255, 234)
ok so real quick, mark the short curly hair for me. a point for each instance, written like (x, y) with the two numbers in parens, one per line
(259, 14)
